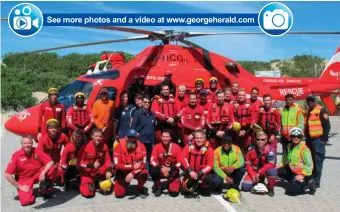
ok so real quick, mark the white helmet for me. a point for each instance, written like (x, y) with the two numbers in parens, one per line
(260, 188)
(296, 132)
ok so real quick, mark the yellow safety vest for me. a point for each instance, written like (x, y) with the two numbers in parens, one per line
(314, 123)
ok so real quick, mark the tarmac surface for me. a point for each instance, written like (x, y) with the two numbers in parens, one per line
(325, 199)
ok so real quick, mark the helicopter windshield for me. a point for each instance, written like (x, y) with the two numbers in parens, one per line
(66, 95)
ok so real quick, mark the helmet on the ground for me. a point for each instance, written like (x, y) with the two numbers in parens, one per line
(260, 188)
(73, 162)
(296, 132)
(105, 185)
(232, 195)
(236, 126)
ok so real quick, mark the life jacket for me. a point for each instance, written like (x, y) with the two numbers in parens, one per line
(314, 123)
(167, 158)
(167, 107)
(80, 117)
(242, 115)
(268, 120)
(220, 114)
(53, 149)
(197, 160)
(130, 158)
(259, 159)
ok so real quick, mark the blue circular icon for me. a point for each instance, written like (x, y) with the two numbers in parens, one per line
(275, 19)
(25, 20)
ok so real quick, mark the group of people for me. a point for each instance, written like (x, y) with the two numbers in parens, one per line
(211, 136)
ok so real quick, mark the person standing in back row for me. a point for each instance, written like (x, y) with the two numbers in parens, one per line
(317, 131)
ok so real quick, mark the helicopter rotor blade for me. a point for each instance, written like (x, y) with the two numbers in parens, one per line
(4, 19)
(192, 44)
(143, 37)
(125, 29)
(197, 34)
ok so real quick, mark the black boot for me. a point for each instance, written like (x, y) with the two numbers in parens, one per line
(312, 187)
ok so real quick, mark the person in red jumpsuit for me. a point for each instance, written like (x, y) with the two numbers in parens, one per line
(70, 154)
(51, 109)
(95, 164)
(213, 89)
(198, 162)
(260, 164)
(51, 143)
(220, 120)
(166, 111)
(204, 101)
(199, 85)
(165, 164)
(254, 101)
(270, 120)
(235, 86)
(192, 117)
(29, 166)
(130, 159)
(246, 116)
(182, 99)
(79, 116)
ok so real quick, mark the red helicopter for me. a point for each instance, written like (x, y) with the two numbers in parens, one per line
(187, 64)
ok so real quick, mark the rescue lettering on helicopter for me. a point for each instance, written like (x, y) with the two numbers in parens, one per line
(294, 91)
(334, 73)
(23, 115)
(170, 58)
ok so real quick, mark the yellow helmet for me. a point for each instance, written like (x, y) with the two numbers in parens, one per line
(199, 80)
(73, 162)
(52, 122)
(79, 94)
(213, 79)
(232, 195)
(53, 91)
(236, 126)
(105, 185)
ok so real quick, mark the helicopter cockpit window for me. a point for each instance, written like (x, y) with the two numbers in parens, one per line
(66, 95)
(112, 93)
(114, 74)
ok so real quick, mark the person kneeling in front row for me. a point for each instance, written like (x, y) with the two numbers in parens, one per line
(297, 165)
(130, 160)
(228, 164)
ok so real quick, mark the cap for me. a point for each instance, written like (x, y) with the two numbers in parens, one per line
(52, 122)
(79, 94)
(104, 90)
(199, 79)
(131, 133)
(53, 91)
(213, 79)
(204, 92)
(141, 76)
(167, 73)
(226, 139)
(311, 97)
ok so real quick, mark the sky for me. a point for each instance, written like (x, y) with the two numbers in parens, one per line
(308, 16)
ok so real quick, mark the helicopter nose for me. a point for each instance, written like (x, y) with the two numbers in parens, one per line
(24, 122)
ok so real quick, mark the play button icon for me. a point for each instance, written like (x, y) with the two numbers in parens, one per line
(25, 20)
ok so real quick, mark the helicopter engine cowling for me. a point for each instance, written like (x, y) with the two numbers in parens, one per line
(117, 60)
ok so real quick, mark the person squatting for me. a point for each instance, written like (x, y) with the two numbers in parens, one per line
(184, 141)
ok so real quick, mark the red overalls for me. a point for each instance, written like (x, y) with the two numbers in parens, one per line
(47, 111)
(79, 118)
(197, 160)
(124, 162)
(192, 118)
(220, 118)
(171, 158)
(87, 172)
(27, 170)
(270, 121)
(53, 149)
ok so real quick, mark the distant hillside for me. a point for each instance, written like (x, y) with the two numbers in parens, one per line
(22, 75)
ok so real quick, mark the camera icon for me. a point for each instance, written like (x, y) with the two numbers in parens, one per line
(276, 20)
(22, 23)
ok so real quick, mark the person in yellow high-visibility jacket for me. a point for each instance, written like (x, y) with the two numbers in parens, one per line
(297, 165)
(291, 116)
(317, 130)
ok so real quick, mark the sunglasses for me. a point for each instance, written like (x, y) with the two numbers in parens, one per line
(258, 139)
(296, 136)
